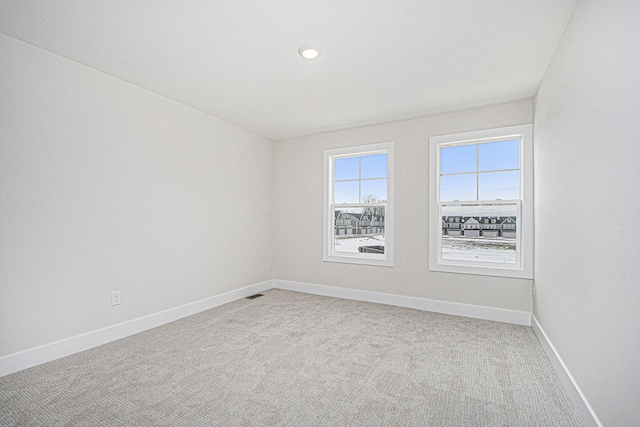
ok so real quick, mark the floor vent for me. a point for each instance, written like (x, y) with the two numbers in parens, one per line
(255, 296)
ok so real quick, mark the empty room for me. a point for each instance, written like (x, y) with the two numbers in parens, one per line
(332, 213)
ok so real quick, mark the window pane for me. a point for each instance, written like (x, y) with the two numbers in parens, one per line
(457, 159)
(458, 187)
(499, 185)
(374, 191)
(362, 230)
(484, 233)
(374, 166)
(499, 155)
(346, 168)
(345, 192)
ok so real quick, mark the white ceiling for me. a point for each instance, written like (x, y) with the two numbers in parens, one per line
(382, 60)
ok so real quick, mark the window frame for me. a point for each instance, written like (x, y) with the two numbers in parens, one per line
(523, 267)
(329, 254)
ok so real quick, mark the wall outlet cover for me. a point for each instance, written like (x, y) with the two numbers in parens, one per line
(115, 298)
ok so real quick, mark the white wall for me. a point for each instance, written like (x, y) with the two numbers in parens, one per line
(298, 180)
(587, 145)
(105, 186)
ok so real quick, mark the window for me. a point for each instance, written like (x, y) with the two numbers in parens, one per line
(358, 205)
(481, 202)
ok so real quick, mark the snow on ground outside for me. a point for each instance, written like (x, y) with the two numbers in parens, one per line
(491, 250)
(479, 250)
(351, 244)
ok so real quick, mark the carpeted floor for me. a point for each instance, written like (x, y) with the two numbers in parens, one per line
(294, 359)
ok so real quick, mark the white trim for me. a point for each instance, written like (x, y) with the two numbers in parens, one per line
(585, 411)
(46, 353)
(327, 225)
(525, 227)
(444, 307)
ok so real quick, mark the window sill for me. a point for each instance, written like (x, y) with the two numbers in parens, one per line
(346, 259)
(515, 272)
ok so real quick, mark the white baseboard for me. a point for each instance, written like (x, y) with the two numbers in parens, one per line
(444, 307)
(585, 411)
(46, 353)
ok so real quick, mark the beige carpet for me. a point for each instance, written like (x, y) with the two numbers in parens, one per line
(293, 359)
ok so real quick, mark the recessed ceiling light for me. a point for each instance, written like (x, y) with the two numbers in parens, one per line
(309, 52)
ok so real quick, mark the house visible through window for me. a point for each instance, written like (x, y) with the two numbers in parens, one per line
(358, 204)
(481, 202)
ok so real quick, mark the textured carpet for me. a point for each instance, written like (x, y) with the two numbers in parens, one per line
(293, 359)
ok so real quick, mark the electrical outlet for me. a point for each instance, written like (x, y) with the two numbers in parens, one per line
(269, 265)
(115, 298)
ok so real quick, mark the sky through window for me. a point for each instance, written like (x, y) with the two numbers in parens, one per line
(480, 171)
(360, 179)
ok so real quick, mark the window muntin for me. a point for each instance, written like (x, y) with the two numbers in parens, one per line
(360, 179)
(481, 202)
(358, 204)
(480, 170)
